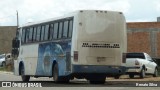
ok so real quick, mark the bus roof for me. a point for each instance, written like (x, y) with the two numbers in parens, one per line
(49, 20)
(64, 16)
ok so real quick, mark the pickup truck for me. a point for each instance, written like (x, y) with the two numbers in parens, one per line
(140, 64)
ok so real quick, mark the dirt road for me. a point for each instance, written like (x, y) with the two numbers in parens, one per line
(136, 78)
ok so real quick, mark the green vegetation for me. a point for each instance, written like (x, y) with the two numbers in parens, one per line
(6, 68)
(2, 69)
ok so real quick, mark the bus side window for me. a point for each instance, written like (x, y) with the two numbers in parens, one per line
(55, 31)
(31, 34)
(60, 30)
(70, 28)
(23, 36)
(34, 34)
(27, 35)
(65, 29)
(42, 33)
(51, 31)
(46, 32)
(38, 33)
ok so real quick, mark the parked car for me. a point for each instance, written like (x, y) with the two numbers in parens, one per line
(5, 59)
(8, 59)
(2, 60)
(140, 64)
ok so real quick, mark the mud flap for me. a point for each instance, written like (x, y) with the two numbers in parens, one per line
(16, 67)
(68, 61)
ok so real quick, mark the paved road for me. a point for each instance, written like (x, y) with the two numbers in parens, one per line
(74, 84)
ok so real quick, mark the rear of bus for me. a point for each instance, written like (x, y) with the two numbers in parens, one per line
(99, 43)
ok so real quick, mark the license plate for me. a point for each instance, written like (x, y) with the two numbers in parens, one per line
(101, 59)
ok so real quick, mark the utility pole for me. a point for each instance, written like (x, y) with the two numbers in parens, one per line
(17, 20)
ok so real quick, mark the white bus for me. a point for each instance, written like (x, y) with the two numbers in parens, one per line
(86, 44)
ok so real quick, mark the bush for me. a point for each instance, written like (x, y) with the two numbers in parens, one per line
(2, 69)
(7, 68)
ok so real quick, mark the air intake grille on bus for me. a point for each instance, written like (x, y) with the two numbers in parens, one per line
(100, 45)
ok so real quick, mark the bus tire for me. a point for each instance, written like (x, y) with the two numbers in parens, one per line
(98, 80)
(131, 75)
(24, 77)
(117, 77)
(57, 78)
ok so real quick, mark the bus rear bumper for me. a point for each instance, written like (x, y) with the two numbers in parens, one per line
(99, 69)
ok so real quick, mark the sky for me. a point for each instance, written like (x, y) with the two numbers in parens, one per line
(37, 10)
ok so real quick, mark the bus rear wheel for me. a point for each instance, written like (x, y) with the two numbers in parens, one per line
(97, 80)
(117, 76)
(57, 78)
(131, 75)
(24, 77)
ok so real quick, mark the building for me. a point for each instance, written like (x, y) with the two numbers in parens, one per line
(7, 33)
(144, 37)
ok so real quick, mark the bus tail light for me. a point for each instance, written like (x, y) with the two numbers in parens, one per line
(76, 56)
(124, 58)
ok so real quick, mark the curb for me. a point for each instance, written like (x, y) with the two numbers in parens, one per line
(5, 72)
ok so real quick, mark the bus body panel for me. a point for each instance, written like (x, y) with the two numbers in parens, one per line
(50, 52)
(16, 67)
(101, 38)
(29, 56)
(107, 70)
(41, 64)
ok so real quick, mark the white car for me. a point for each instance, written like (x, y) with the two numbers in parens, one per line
(2, 60)
(140, 64)
(8, 59)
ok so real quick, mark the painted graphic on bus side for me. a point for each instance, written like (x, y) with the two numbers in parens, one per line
(49, 52)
